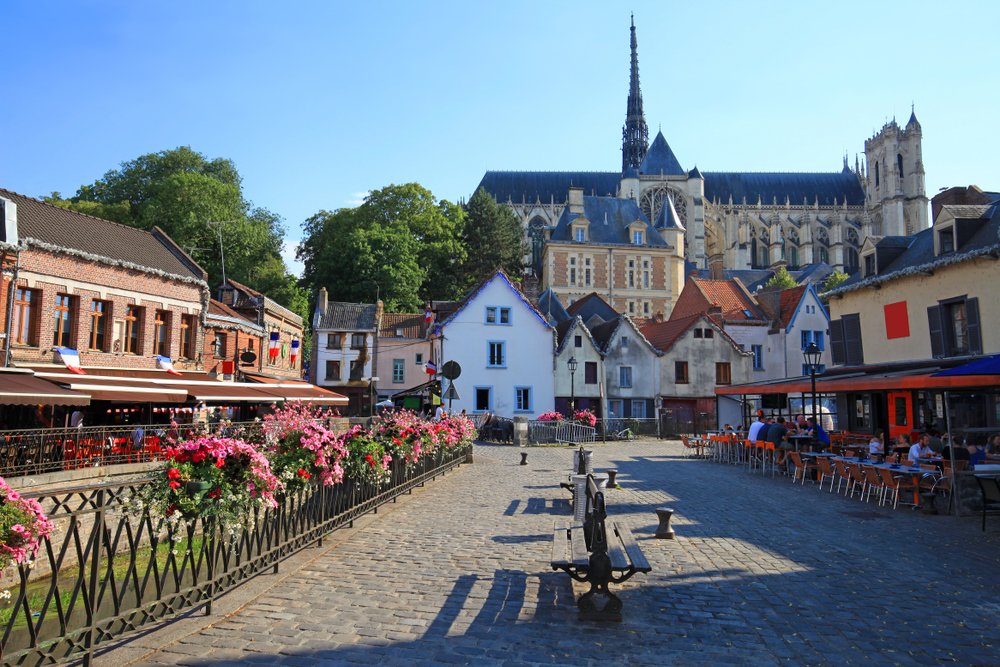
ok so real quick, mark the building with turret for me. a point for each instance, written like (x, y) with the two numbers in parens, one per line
(724, 220)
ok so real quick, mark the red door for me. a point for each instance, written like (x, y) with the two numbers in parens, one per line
(900, 413)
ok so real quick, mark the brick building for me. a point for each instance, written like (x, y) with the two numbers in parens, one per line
(233, 342)
(274, 319)
(118, 295)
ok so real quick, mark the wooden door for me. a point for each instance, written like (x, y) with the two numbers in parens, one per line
(900, 405)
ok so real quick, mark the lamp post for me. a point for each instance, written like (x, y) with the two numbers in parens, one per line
(811, 355)
(572, 364)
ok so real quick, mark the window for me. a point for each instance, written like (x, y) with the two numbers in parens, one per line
(709, 333)
(505, 316)
(901, 411)
(723, 373)
(133, 327)
(24, 311)
(99, 323)
(615, 407)
(698, 333)
(161, 332)
(758, 357)
(824, 255)
(899, 165)
(631, 273)
(522, 399)
(845, 339)
(357, 369)
(418, 358)
(586, 272)
(497, 357)
(946, 240)
(577, 341)
(681, 372)
(62, 327)
(484, 399)
(637, 237)
(334, 341)
(572, 270)
(876, 175)
(645, 308)
(625, 377)
(189, 329)
(819, 339)
(870, 265)
(631, 307)
(955, 327)
(590, 372)
(398, 371)
(332, 370)
(580, 234)
(624, 342)
(357, 341)
(638, 409)
(491, 315)
(219, 345)
(645, 274)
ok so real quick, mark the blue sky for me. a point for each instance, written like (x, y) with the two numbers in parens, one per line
(319, 102)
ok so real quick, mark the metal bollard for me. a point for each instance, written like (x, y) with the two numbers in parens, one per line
(524, 458)
(664, 531)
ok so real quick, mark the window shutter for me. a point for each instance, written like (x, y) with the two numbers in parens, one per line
(936, 331)
(837, 342)
(972, 324)
(853, 351)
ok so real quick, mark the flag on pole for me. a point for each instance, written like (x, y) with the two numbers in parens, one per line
(166, 364)
(295, 351)
(431, 368)
(428, 317)
(71, 358)
(274, 346)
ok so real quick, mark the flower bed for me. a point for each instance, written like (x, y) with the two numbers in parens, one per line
(302, 447)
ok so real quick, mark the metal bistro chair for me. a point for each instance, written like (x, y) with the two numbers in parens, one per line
(825, 471)
(801, 467)
(989, 486)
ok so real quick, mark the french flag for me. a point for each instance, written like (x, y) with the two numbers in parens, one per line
(166, 364)
(274, 346)
(71, 358)
(431, 368)
(295, 351)
(428, 317)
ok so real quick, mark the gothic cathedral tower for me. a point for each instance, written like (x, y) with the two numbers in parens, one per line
(635, 134)
(894, 183)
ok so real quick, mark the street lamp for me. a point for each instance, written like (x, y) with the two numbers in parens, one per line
(811, 355)
(572, 364)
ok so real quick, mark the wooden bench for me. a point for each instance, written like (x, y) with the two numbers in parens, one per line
(599, 553)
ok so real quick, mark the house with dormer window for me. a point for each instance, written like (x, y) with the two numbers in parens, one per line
(607, 245)
(505, 348)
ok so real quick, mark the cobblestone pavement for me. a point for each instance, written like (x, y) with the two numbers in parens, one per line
(761, 573)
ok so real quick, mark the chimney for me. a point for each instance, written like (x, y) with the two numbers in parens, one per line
(716, 268)
(658, 317)
(322, 301)
(576, 200)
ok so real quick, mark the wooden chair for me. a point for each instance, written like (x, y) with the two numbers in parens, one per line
(825, 471)
(873, 482)
(801, 467)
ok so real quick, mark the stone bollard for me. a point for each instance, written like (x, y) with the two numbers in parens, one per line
(612, 473)
(664, 531)
(521, 431)
(524, 458)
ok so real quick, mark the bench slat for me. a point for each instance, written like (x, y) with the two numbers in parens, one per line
(581, 558)
(635, 554)
(619, 561)
(560, 542)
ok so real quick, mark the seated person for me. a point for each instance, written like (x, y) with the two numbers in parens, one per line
(960, 453)
(977, 455)
(776, 433)
(875, 445)
(817, 432)
(921, 449)
(993, 446)
(903, 446)
(728, 429)
(757, 427)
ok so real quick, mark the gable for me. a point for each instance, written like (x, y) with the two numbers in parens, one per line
(495, 291)
(811, 298)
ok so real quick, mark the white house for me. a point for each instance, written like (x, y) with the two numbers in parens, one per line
(798, 318)
(631, 367)
(586, 384)
(506, 350)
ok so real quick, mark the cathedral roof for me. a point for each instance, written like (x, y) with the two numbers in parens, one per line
(609, 219)
(547, 186)
(660, 159)
(668, 218)
(796, 187)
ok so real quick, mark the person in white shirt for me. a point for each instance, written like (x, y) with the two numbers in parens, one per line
(754, 433)
(439, 414)
(875, 444)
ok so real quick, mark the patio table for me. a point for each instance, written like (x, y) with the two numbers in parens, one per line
(914, 473)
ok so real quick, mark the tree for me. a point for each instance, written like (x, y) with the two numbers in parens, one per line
(493, 238)
(781, 280)
(195, 199)
(834, 280)
(400, 244)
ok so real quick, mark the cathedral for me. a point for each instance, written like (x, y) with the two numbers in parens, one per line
(727, 220)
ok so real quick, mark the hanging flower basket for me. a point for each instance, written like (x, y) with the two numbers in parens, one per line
(23, 526)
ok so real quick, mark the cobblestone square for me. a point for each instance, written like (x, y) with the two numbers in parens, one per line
(761, 573)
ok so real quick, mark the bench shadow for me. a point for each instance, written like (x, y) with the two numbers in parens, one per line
(557, 506)
(521, 539)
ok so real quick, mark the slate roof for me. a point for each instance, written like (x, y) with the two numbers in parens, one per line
(668, 218)
(248, 298)
(550, 305)
(918, 256)
(609, 219)
(547, 186)
(591, 305)
(602, 333)
(222, 316)
(796, 187)
(411, 325)
(340, 316)
(660, 159)
(51, 227)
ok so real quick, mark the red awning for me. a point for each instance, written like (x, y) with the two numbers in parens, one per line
(900, 380)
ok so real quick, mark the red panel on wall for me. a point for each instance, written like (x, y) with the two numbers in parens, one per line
(897, 322)
(228, 367)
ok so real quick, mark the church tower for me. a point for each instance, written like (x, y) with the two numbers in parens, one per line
(895, 198)
(635, 134)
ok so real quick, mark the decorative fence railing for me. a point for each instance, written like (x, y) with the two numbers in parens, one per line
(108, 571)
(627, 428)
(560, 431)
(37, 451)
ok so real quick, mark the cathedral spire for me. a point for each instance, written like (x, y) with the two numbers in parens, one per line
(635, 134)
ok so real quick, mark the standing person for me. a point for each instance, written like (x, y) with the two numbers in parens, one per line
(439, 413)
(755, 428)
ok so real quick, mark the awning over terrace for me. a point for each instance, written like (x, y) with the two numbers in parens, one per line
(18, 387)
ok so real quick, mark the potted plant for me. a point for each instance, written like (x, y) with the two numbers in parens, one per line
(23, 526)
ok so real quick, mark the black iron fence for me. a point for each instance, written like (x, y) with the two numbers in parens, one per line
(110, 568)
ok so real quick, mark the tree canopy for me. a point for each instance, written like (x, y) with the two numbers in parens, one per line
(401, 245)
(781, 280)
(493, 237)
(834, 280)
(195, 199)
